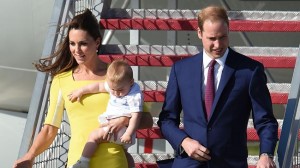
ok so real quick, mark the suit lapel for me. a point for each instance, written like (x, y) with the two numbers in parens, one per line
(197, 79)
(226, 75)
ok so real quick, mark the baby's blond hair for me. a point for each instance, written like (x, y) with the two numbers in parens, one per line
(119, 71)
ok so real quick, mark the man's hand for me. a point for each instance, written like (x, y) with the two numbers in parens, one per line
(265, 162)
(195, 150)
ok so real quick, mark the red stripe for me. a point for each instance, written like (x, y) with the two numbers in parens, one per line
(264, 26)
(148, 146)
(143, 59)
(185, 24)
(146, 165)
(158, 96)
(276, 62)
(279, 98)
(154, 96)
(154, 133)
(169, 60)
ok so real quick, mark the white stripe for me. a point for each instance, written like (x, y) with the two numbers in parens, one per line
(192, 14)
(18, 69)
(191, 50)
(152, 158)
(162, 85)
(250, 123)
(58, 107)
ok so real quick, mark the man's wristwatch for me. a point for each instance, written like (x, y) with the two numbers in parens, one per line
(267, 154)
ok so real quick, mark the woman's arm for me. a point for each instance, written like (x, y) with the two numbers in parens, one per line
(43, 140)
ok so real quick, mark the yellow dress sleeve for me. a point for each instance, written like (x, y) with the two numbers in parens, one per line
(56, 105)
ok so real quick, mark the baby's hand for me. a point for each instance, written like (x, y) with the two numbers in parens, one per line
(126, 139)
(75, 95)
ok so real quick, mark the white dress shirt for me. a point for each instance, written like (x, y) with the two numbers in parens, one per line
(219, 66)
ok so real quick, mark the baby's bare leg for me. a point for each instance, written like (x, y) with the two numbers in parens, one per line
(95, 138)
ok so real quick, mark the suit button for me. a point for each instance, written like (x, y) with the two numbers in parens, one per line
(209, 128)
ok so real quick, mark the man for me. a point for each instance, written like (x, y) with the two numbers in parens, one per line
(214, 133)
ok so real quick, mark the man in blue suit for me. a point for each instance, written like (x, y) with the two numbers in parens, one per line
(217, 137)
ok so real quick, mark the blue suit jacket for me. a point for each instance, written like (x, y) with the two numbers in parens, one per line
(242, 89)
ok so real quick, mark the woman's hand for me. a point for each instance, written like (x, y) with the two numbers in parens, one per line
(24, 162)
(115, 125)
(43, 140)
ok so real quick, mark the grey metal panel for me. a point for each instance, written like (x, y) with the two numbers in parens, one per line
(135, 39)
(37, 100)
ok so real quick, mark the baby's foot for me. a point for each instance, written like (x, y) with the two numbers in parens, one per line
(80, 164)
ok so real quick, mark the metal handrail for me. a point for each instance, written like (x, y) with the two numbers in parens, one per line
(17, 69)
(291, 122)
(110, 33)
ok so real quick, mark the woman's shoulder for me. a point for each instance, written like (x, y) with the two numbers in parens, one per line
(64, 75)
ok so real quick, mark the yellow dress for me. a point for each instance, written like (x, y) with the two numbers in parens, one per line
(83, 120)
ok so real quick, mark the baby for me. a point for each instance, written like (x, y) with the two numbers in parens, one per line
(126, 100)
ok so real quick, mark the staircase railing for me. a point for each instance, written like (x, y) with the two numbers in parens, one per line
(287, 156)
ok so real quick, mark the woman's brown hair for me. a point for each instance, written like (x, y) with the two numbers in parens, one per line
(62, 60)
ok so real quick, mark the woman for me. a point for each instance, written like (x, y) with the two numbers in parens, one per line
(73, 65)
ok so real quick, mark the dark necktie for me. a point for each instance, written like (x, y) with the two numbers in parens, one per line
(210, 88)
